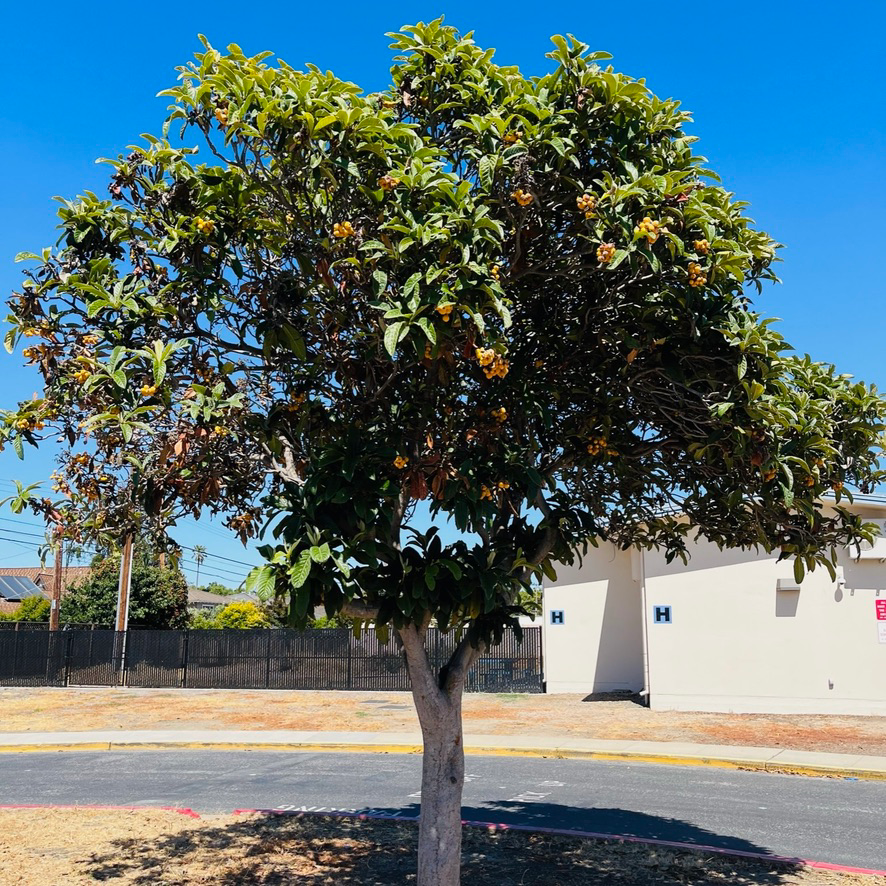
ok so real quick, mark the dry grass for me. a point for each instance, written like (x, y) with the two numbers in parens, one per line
(137, 848)
(38, 710)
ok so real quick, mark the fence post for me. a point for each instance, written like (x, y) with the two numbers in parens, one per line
(69, 642)
(268, 662)
(15, 654)
(350, 640)
(184, 677)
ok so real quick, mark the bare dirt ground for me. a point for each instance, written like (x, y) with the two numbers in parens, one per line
(85, 846)
(550, 716)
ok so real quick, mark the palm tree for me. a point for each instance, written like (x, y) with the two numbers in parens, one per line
(199, 557)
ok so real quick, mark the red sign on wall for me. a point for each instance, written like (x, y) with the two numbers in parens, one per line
(881, 610)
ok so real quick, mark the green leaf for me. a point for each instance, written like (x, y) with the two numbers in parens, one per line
(393, 334)
(323, 122)
(260, 582)
(412, 284)
(302, 601)
(486, 169)
(453, 567)
(300, 570)
(428, 328)
(548, 569)
(293, 339)
(381, 280)
(799, 570)
(320, 553)
(618, 258)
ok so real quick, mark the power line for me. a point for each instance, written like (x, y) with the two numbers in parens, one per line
(14, 541)
(17, 532)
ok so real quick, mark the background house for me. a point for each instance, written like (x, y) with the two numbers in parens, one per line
(202, 600)
(18, 582)
(730, 631)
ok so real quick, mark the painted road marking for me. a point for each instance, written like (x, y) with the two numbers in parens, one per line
(528, 797)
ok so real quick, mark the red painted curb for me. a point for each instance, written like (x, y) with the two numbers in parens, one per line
(189, 812)
(672, 844)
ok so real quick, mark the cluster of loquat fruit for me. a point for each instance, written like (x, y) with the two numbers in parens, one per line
(487, 493)
(445, 312)
(342, 230)
(494, 365)
(388, 182)
(524, 198)
(500, 414)
(697, 274)
(650, 229)
(511, 138)
(205, 226)
(605, 253)
(29, 424)
(587, 203)
(400, 462)
(702, 247)
(599, 446)
(498, 368)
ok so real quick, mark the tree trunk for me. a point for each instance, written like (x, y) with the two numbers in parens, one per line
(443, 763)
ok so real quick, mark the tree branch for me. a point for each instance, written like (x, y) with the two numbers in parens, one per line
(358, 609)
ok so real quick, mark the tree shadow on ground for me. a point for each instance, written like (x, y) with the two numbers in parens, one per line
(311, 849)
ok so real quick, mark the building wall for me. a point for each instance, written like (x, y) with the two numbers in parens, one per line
(599, 645)
(737, 644)
(734, 642)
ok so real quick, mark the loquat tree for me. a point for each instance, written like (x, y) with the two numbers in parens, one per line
(519, 300)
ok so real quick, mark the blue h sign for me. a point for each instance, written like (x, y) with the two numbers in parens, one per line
(661, 615)
(557, 617)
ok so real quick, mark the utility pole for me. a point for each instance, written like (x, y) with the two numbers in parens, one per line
(55, 605)
(123, 588)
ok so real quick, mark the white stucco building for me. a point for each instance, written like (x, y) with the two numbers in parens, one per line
(730, 631)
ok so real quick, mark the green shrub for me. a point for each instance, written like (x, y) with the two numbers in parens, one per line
(30, 609)
(158, 596)
(237, 616)
(242, 616)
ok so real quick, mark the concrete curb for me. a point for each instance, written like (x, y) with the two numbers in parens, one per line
(674, 753)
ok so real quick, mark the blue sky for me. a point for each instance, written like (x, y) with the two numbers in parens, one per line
(787, 98)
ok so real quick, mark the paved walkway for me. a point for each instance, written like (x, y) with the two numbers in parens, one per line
(686, 753)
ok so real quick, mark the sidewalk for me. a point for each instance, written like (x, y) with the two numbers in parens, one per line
(663, 752)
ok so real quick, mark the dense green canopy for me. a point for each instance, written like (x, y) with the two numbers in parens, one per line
(521, 299)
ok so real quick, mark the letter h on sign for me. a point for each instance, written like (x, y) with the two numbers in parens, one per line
(661, 615)
(556, 616)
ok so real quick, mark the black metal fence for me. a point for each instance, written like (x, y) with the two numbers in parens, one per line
(330, 658)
